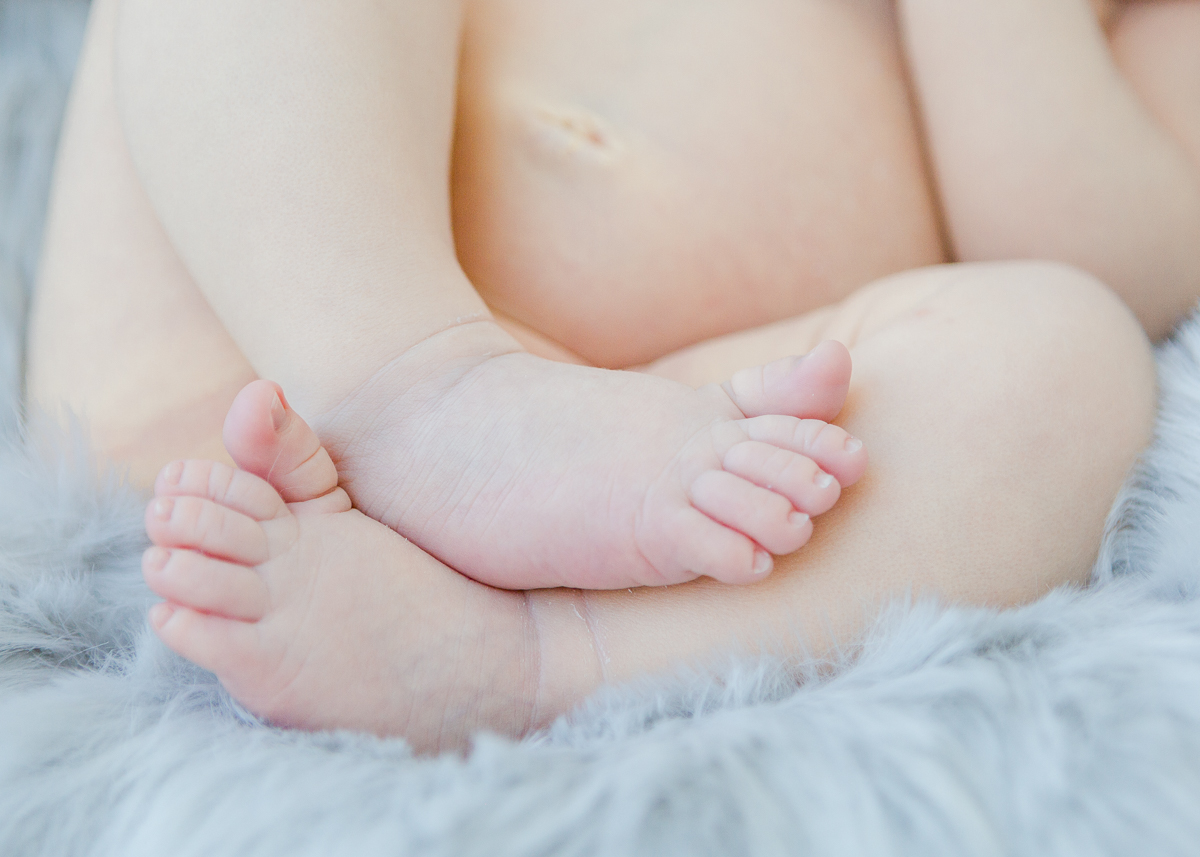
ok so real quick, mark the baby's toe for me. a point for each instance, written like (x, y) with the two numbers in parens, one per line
(701, 547)
(812, 386)
(205, 526)
(833, 449)
(202, 583)
(758, 513)
(244, 492)
(266, 437)
(797, 477)
(214, 643)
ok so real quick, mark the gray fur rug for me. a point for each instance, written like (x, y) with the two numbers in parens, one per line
(1071, 726)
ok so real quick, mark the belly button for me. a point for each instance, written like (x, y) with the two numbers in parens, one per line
(565, 132)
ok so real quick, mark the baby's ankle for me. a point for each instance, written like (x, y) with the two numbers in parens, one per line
(445, 355)
(420, 374)
(478, 668)
(570, 663)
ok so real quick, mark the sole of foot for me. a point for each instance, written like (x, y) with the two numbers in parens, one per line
(525, 473)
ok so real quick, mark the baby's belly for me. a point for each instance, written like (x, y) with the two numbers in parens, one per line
(635, 176)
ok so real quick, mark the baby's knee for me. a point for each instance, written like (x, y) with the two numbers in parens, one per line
(1032, 388)
(1064, 299)
(1081, 400)
(1075, 346)
(1057, 330)
(1063, 348)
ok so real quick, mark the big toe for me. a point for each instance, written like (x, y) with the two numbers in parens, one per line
(813, 386)
(267, 438)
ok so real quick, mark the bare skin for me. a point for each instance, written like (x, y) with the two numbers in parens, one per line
(632, 480)
(267, 596)
(1002, 403)
(485, 456)
(315, 616)
(1086, 133)
(759, 160)
(488, 457)
(280, 598)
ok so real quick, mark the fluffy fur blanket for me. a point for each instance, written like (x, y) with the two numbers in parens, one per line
(1071, 726)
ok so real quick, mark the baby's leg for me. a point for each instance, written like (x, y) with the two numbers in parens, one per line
(1003, 405)
(1082, 166)
(298, 156)
(119, 333)
(109, 268)
(1006, 401)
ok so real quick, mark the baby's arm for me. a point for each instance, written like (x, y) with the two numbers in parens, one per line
(1044, 148)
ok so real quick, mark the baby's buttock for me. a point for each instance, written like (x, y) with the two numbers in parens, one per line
(633, 177)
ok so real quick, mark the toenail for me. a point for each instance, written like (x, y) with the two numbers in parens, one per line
(163, 507)
(798, 519)
(762, 562)
(278, 413)
(156, 558)
(822, 479)
(853, 444)
(173, 472)
(160, 613)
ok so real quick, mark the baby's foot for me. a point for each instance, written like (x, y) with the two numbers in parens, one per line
(313, 615)
(522, 472)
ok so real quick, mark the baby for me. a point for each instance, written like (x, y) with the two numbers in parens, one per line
(517, 470)
(631, 185)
